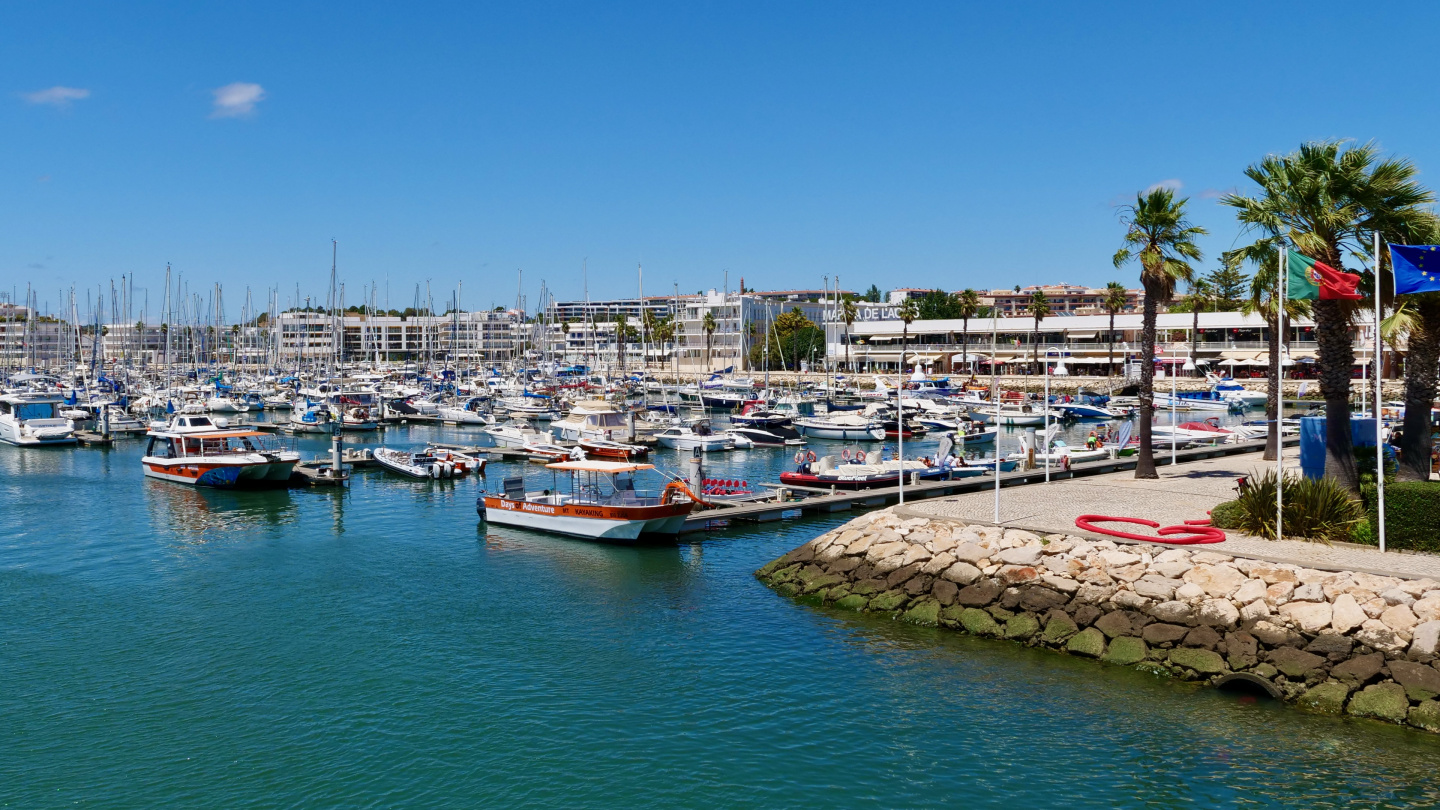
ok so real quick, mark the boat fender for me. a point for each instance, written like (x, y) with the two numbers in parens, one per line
(435, 471)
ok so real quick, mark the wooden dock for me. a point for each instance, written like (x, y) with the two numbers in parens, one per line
(820, 501)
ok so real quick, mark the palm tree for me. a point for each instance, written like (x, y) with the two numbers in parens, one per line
(620, 327)
(1417, 319)
(907, 312)
(1262, 300)
(1327, 198)
(1039, 308)
(1201, 297)
(709, 326)
(967, 305)
(848, 312)
(1159, 236)
(1116, 297)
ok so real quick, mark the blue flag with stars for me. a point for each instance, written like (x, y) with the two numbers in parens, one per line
(1416, 267)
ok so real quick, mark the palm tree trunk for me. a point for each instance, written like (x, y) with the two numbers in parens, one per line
(849, 369)
(1336, 358)
(965, 343)
(1035, 349)
(1272, 396)
(1420, 383)
(1145, 458)
(1110, 369)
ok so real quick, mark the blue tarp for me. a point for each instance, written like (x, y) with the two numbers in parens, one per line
(1312, 442)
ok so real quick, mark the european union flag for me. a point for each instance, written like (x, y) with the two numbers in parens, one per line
(1416, 267)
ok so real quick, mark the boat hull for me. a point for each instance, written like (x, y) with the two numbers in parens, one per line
(613, 524)
(220, 474)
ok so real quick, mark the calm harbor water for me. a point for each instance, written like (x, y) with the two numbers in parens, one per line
(161, 645)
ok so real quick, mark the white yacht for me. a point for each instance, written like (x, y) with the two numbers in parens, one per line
(32, 419)
(517, 433)
(842, 427)
(469, 412)
(593, 419)
(684, 437)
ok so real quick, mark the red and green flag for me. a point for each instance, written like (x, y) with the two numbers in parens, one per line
(1309, 279)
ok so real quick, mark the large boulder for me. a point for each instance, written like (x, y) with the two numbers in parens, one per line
(1310, 617)
(1204, 662)
(1219, 581)
(1161, 633)
(980, 594)
(1359, 670)
(1088, 642)
(1327, 698)
(1126, 650)
(1385, 701)
(1297, 664)
(1421, 682)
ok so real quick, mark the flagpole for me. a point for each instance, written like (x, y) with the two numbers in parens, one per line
(995, 401)
(1280, 406)
(1379, 425)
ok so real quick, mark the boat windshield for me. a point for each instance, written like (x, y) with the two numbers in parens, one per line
(35, 410)
(230, 445)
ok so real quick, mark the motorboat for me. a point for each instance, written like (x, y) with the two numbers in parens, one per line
(604, 448)
(356, 409)
(414, 465)
(1009, 415)
(221, 403)
(1061, 454)
(972, 435)
(771, 436)
(530, 406)
(1082, 410)
(1229, 389)
(309, 417)
(594, 419)
(699, 436)
(549, 451)
(1208, 401)
(199, 451)
(465, 463)
(469, 412)
(597, 501)
(865, 472)
(756, 414)
(841, 427)
(517, 433)
(32, 419)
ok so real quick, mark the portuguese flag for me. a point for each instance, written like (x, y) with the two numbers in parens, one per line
(1309, 279)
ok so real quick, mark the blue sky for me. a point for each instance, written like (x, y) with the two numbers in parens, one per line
(900, 144)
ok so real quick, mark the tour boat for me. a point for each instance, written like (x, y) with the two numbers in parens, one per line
(517, 433)
(599, 503)
(32, 419)
(604, 448)
(195, 450)
(841, 427)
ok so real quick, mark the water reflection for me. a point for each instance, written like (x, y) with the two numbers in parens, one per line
(203, 514)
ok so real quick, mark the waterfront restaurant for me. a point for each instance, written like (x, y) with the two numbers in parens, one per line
(1226, 342)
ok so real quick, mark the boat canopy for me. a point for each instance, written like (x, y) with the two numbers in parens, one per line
(599, 466)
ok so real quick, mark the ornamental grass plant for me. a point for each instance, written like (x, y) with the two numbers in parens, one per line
(1317, 509)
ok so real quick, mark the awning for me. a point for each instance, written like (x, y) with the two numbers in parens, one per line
(1240, 354)
(1082, 335)
(1301, 354)
(882, 338)
(962, 357)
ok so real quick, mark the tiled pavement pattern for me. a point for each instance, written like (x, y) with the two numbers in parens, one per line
(1184, 492)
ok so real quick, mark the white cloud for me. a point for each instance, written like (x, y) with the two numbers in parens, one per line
(237, 100)
(57, 96)
(1172, 184)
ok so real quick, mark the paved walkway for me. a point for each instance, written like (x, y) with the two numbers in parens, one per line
(1184, 492)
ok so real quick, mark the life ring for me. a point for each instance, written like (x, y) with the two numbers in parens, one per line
(800, 456)
(810, 456)
(845, 454)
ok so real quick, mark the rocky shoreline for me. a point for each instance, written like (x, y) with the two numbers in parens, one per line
(1331, 642)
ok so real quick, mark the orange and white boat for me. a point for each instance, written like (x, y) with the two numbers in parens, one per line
(198, 451)
(598, 501)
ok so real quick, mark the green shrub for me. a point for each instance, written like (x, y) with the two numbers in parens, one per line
(1226, 515)
(1412, 516)
(1316, 510)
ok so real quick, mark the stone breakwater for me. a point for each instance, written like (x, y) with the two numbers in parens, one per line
(1333, 642)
